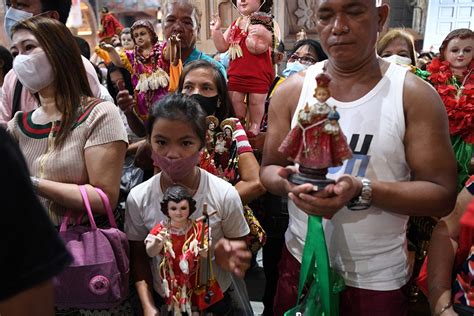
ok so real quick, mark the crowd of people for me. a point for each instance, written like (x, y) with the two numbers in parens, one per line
(188, 150)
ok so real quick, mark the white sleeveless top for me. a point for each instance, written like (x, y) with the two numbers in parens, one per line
(367, 247)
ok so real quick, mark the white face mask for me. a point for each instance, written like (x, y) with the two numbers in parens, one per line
(399, 60)
(292, 68)
(12, 17)
(34, 71)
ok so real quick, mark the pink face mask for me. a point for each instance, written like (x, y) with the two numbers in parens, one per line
(176, 169)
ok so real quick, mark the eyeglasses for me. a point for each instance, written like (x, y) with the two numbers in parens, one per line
(305, 60)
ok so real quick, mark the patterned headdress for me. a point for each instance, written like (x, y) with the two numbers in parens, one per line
(149, 26)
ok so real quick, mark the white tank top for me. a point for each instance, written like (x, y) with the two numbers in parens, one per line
(367, 247)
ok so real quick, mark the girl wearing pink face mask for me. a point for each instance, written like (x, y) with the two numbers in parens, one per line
(177, 133)
(453, 78)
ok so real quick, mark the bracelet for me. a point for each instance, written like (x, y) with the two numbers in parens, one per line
(445, 308)
(35, 183)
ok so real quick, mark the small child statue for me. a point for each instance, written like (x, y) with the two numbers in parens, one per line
(177, 240)
(316, 142)
(212, 122)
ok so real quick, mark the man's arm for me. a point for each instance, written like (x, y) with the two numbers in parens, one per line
(429, 155)
(428, 152)
(280, 112)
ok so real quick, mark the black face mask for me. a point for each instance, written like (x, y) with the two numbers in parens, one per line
(208, 104)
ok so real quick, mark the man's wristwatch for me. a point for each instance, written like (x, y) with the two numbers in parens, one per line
(364, 200)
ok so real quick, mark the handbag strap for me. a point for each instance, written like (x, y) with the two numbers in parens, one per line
(108, 207)
(85, 199)
(16, 98)
(87, 204)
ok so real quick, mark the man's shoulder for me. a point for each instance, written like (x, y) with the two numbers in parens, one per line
(208, 58)
(417, 93)
(412, 81)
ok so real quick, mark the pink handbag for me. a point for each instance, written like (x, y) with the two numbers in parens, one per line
(98, 277)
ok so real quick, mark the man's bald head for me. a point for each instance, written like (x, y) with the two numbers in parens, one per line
(168, 7)
(348, 29)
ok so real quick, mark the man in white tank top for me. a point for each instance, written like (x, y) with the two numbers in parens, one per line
(403, 164)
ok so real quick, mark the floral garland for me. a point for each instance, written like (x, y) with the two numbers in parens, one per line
(457, 96)
(154, 59)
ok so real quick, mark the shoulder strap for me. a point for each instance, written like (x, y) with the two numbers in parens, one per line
(272, 86)
(16, 98)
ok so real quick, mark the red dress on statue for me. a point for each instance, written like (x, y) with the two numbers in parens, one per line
(249, 73)
(180, 284)
(316, 142)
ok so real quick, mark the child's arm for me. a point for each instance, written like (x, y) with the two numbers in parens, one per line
(154, 244)
(221, 41)
(259, 39)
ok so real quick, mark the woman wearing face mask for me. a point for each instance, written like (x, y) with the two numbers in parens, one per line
(305, 53)
(72, 138)
(397, 45)
(177, 129)
(204, 82)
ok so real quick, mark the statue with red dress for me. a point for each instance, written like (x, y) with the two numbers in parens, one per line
(109, 25)
(180, 242)
(316, 143)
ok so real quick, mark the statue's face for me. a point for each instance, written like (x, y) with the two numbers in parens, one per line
(142, 37)
(459, 52)
(178, 212)
(127, 41)
(322, 95)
